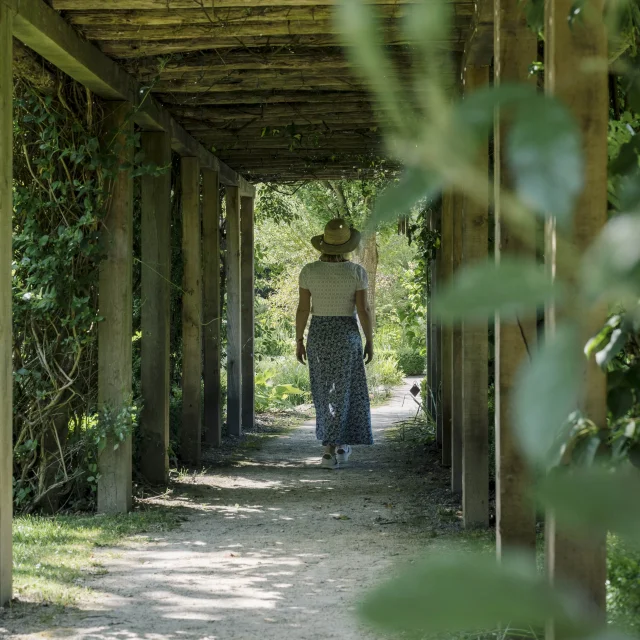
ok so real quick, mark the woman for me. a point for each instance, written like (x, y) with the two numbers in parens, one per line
(336, 287)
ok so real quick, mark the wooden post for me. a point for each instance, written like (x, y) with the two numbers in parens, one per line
(475, 339)
(570, 53)
(234, 337)
(156, 273)
(114, 332)
(514, 49)
(191, 432)
(446, 331)
(212, 311)
(247, 312)
(456, 355)
(6, 340)
(436, 336)
(429, 371)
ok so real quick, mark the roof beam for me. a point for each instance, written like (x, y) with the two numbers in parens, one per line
(43, 30)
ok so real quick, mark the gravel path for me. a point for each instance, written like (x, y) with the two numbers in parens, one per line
(274, 547)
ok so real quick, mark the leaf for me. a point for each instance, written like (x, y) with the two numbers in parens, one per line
(593, 499)
(544, 153)
(509, 288)
(458, 593)
(627, 157)
(547, 391)
(398, 199)
(611, 266)
(617, 340)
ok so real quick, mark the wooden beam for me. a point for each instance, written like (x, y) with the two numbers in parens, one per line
(218, 17)
(42, 29)
(137, 5)
(116, 307)
(478, 48)
(234, 314)
(247, 312)
(448, 205)
(515, 47)
(261, 97)
(156, 273)
(6, 338)
(456, 355)
(475, 347)
(144, 48)
(437, 330)
(212, 319)
(191, 431)
(571, 75)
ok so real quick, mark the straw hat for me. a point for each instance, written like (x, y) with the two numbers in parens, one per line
(338, 238)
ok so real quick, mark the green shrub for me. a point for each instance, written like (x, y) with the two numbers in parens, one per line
(623, 585)
(281, 382)
(410, 362)
(383, 373)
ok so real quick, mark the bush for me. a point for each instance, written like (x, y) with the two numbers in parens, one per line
(623, 586)
(383, 374)
(281, 383)
(410, 362)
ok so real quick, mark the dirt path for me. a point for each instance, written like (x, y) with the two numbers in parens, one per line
(274, 546)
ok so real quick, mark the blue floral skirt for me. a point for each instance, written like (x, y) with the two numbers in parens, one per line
(338, 381)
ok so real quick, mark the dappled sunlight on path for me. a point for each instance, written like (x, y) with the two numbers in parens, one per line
(273, 546)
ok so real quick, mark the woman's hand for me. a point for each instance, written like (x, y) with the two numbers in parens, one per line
(301, 352)
(368, 352)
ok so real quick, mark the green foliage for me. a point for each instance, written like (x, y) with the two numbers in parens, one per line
(411, 363)
(623, 589)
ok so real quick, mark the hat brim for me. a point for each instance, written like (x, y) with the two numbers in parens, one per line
(337, 249)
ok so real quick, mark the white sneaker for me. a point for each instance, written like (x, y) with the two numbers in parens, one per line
(343, 453)
(328, 461)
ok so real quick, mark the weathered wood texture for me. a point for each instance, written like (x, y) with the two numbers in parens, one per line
(156, 272)
(571, 75)
(437, 331)
(234, 331)
(6, 340)
(247, 311)
(115, 331)
(475, 347)
(212, 319)
(42, 29)
(446, 331)
(249, 48)
(191, 430)
(515, 47)
(456, 356)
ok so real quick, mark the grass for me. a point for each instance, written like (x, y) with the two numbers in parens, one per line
(53, 556)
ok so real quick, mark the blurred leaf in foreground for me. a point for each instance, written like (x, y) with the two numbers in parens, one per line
(472, 593)
(593, 500)
(547, 392)
(509, 288)
(398, 199)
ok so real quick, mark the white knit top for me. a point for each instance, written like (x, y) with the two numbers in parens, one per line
(333, 286)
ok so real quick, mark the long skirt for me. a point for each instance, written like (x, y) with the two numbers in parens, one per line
(338, 381)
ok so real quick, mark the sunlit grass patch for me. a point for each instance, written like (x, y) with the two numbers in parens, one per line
(53, 556)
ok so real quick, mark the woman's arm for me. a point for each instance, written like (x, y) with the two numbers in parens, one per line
(364, 313)
(302, 316)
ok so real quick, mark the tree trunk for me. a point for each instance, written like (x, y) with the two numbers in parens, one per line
(367, 256)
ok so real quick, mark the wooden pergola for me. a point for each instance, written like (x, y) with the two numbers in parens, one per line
(253, 90)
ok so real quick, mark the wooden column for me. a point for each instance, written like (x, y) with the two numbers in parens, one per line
(571, 75)
(191, 432)
(446, 356)
(514, 49)
(234, 337)
(115, 302)
(247, 312)
(456, 359)
(156, 273)
(436, 335)
(6, 339)
(475, 345)
(212, 312)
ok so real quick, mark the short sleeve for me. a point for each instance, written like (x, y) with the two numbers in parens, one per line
(304, 278)
(362, 279)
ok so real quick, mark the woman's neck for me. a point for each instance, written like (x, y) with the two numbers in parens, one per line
(333, 259)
